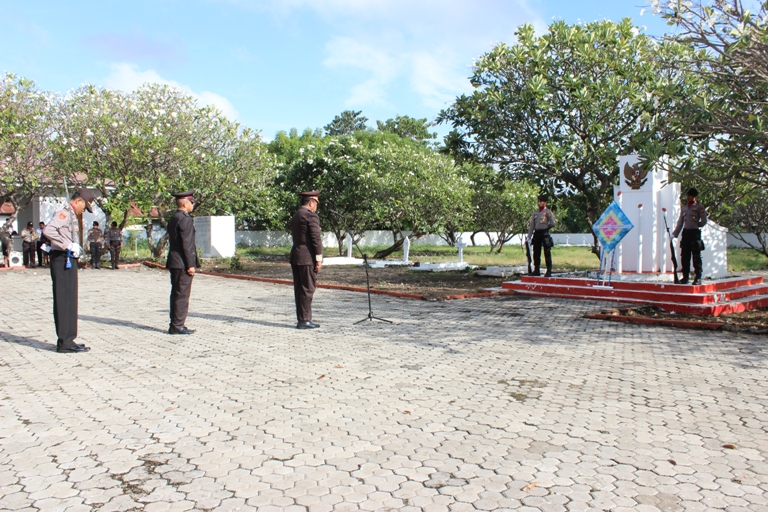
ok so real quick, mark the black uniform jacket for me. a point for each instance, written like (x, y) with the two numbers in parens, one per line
(182, 252)
(307, 240)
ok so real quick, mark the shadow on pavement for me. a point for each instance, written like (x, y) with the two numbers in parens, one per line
(126, 323)
(226, 318)
(29, 342)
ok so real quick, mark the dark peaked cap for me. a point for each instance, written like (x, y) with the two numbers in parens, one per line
(311, 193)
(184, 195)
(87, 196)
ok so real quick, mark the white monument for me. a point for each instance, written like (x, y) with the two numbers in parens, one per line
(215, 236)
(644, 196)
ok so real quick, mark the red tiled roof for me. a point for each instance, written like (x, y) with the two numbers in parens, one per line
(7, 209)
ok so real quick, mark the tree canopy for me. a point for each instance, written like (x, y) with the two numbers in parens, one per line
(558, 109)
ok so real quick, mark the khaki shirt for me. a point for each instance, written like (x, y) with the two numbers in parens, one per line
(95, 236)
(541, 220)
(29, 235)
(62, 230)
(691, 217)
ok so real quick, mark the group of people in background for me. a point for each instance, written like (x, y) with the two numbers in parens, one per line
(98, 241)
(36, 246)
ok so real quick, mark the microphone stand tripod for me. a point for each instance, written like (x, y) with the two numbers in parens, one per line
(371, 317)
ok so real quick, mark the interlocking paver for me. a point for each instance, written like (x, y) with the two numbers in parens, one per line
(506, 403)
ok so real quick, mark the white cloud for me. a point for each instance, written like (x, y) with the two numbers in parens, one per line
(346, 52)
(129, 77)
(428, 45)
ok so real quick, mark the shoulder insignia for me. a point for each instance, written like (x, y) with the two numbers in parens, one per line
(62, 216)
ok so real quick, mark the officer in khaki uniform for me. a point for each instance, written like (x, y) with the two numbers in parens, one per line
(95, 241)
(62, 231)
(692, 218)
(306, 257)
(538, 231)
(182, 261)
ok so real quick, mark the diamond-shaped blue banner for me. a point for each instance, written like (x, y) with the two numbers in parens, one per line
(611, 227)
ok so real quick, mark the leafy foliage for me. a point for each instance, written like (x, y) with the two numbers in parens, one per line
(558, 109)
(346, 123)
(25, 129)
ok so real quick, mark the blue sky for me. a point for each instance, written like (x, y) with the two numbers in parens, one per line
(277, 64)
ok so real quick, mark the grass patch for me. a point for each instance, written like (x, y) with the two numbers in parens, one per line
(567, 258)
(741, 260)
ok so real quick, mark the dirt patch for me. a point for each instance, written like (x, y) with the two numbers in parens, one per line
(430, 285)
(754, 321)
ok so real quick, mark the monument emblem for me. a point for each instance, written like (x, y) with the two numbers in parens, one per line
(636, 177)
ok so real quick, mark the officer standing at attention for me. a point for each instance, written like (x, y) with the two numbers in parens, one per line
(115, 241)
(692, 218)
(306, 257)
(30, 237)
(541, 222)
(96, 240)
(62, 231)
(182, 260)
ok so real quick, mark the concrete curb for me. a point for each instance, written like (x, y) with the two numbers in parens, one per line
(686, 324)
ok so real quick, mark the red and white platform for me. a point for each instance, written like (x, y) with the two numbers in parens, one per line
(718, 297)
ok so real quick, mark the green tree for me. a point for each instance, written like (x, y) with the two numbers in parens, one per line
(558, 109)
(502, 209)
(408, 128)
(26, 126)
(718, 139)
(346, 123)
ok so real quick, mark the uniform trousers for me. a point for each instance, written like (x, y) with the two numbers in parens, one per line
(181, 288)
(95, 255)
(304, 284)
(538, 243)
(114, 252)
(64, 299)
(29, 254)
(690, 249)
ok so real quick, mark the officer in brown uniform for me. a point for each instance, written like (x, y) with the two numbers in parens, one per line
(115, 242)
(538, 231)
(692, 218)
(182, 261)
(95, 242)
(306, 257)
(62, 231)
(30, 236)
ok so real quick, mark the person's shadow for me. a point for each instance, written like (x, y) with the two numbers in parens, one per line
(113, 321)
(27, 342)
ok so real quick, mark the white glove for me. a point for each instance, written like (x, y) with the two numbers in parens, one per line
(528, 240)
(75, 249)
(671, 237)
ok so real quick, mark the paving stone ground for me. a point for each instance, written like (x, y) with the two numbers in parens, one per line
(487, 404)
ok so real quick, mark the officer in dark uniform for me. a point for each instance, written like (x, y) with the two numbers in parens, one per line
(182, 260)
(115, 242)
(306, 257)
(692, 218)
(538, 232)
(62, 231)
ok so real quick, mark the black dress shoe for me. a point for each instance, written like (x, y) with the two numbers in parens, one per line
(548, 274)
(77, 348)
(183, 330)
(696, 281)
(307, 325)
(684, 280)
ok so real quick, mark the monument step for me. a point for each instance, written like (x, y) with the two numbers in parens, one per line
(687, 294)
(706, 287)
(711, 308)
